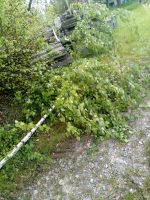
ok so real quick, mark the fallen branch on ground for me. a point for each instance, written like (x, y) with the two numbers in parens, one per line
(24, 140)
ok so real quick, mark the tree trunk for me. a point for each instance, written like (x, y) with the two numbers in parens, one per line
(118, 2)
(30, 4)
(107, 3)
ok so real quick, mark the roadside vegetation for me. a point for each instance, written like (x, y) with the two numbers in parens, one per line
(109, 74)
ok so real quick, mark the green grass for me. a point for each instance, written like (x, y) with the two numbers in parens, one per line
(130, 5)
(147, 185)
(131, 196)
(133, 36)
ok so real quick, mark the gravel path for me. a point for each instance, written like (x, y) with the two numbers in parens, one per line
(110, 172)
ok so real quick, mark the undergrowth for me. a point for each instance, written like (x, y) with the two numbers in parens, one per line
(90, 97)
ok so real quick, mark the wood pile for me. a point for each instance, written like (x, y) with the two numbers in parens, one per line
(56, 55)
(68, 23)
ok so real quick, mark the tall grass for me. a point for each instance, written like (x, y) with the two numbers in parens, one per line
(133, 36)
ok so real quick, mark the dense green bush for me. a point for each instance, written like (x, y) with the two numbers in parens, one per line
(19, 40)
(93, 34)
(89, 97)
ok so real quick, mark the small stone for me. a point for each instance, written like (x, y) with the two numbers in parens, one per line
(38, 183)
(104, 188)
(88, 144)
(67, 189)
(35, 192)
(77, 176)
(87, 198)
(70, 163)
(91, 180)
(131, 190)
(61, 182)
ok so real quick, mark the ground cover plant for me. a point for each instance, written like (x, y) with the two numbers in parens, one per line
(90, 97)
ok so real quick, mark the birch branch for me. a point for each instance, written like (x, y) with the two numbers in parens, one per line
(24, 140)
(58, 40)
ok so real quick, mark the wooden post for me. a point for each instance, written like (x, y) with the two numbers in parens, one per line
(30, 4)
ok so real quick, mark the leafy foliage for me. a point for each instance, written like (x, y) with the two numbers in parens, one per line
(89, 97)
(14, 136)
(61, 6)
(50, 14)
(92, 35)
(19, 40)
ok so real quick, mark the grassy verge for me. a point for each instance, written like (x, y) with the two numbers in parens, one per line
(133, 36)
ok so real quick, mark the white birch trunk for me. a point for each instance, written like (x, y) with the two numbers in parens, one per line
(24, 140)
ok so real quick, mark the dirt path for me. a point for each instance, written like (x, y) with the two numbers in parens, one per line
(111, 172)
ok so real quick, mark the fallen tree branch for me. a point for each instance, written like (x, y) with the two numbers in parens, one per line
(57, 39)
(24, 140)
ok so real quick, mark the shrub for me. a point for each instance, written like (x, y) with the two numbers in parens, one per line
(19, 31)
(92, 35)
(89, 97)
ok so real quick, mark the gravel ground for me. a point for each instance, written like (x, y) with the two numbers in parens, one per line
(110, 172)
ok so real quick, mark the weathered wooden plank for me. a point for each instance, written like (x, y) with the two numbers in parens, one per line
(66, 16)
(68, 21)
(67, 60)
(55, 45)
(67, 26)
